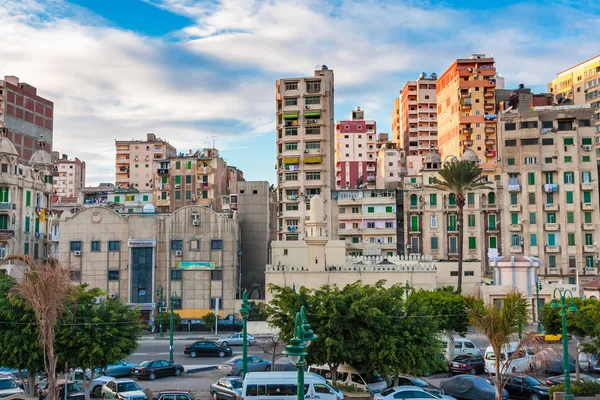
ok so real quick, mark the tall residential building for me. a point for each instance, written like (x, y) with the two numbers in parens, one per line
(305, 149)
(391, 166)
(581, 85)
(417, 119)
(69, 178)
(396, 125)
(134, 161)
(551, 194)
(466, 110)
(355, 152)
(197, 178)
(28, 117)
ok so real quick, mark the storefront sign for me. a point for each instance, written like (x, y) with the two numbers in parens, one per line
(141, 242)
(196, 265)
(142, 306)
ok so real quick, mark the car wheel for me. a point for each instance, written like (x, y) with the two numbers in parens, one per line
(221, 354)
(224, 344)
(97, 392)
(215, 396)
(177, 371)
(268, 368)
(535, 396)
(193, 354)
(473, 371)
(152, 376)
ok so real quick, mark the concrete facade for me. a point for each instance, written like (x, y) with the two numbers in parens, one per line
(192, 252)
(305, 149)
(391, 166)
(69, 177)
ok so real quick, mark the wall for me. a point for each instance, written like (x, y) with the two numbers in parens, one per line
(297, 253)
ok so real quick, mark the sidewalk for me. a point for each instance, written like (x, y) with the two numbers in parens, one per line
(194, 336)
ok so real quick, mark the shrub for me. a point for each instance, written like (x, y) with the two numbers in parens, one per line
(347, 388)
(579, 388)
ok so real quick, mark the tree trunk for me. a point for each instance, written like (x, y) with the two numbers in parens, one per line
(87, 383)
(30, 388)
(461, 229)
(333, 368)
(449, 344)
(577, 350)
(396, 380)
(498, 377)
(51, 372)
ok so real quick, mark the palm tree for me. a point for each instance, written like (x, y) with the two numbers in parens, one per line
(459, 178)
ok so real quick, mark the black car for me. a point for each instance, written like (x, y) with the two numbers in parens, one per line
(524, 387)
(226, 389)
(155, 369)
(470, 387)
(404, 380)
(206, 348)
(557, 380)
(174, 395)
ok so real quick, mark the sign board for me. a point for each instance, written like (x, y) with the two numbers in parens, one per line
(141, 242)
(492, 253)
(176, 303)
(196, 265)
(142, 306)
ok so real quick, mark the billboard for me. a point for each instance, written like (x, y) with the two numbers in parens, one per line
(196, 265)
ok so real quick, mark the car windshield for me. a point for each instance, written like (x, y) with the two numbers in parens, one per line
(145, 363)
(73, 387)
(237, 384)
(419, 382)
(461, 358)
(531, 381)
(127, 387)
(372, 378)
(8, 384)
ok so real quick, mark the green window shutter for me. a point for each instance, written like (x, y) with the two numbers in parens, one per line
(165, 179)
(531, 178)
(493, 242)
(413, 180)
(433, 199)
(3, 221)
(472, 242)
(389, 209)
(514, 218)
(189, 165)
(550, 218)
(434, 243)
(568, 159)
(570, 239)
(205, 194)
(145, 197)
(370, 210)
(452, 199)
(188, 195)
(587, 217)
(586, 141)
(471, 220)
(177, 164)
(414, 223)
(177, 195)
(37, 225)
(568, 141)
(163, 195)
(26, 248)
(355, 240)
(511, 161)
(452, 223)
(532, 218)
(551, 239)
(471, 198)
(27, 223)
(570, 217)
(514, 199)
(117, 199)
(492, 198)
(533, 239)
(491, 221)
(28, 198)
(587, 197)
(586, 159)
(178, 179)
(569, 196)
(589, 239)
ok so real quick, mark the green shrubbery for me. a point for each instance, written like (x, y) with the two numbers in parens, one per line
(579, 388)
(348, 388)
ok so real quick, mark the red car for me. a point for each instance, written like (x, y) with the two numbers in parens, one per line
(467, 364)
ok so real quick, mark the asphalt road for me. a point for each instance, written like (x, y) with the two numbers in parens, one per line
(199, 383)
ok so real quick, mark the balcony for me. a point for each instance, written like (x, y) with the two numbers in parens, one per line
(514, 207)
(371, 169)
(488, 94)
(468, 143)
(490, 117)
(489, 129)
(467, 131)
(552, 249)
(550, 188)
(550, 207)
(490, 154)
(515, 227)
(490, 142)
(122, 160)
(6, 206)
(488, 107)
(6, 234)
(551, 227)
(587, 206)
(514, 187)
(516, 249)
(588, 227)
(589, 248)
(586, 186)
(162, 171)
(205, 170)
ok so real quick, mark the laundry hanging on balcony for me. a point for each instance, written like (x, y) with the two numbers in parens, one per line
(550, 188)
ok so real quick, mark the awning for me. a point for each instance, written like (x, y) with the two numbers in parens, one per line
(291, 160)
(290, 116)
(313, 160)
(312, 114)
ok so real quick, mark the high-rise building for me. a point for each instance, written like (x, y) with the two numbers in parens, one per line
(580, 84)
(391, 166)
(134, 161)
(305, 149)
(551, 197)
(416, 120)
(467, 112)
(69, 178)
(29, 118)
(396, 125)
(355, 152)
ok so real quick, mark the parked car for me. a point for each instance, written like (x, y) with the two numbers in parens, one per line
(206, 348)
(123, 389)
(555, 366)
(470, 387)
(255, 364)
(557, 380)
(9, 387)
(419, 382)
(348, 375)
(95, 384)
(461, 346)
(119, 369)
(226, 389)
(236, 339)
(524, 387)
(467, 364)
(409, 393)
(156, 369)
(74, 392)
(174, 395)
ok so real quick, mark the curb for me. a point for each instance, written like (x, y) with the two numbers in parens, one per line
(180, 338)
(202, 369)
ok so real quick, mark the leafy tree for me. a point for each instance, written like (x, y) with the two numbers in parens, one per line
(166, 321)
(447, 309)
(209, 320)
(283, 307)
(459, 178)
(258, 311)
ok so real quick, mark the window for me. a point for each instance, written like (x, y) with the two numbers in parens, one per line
(515, 240)
(492, 198)
(514, 199)
(114, 245)
(95, 245)
(467, 273)
(453, 273)
(355, 210)
(291, 176)
(548, 160)
(586, 141)
(433, 221)
(472, 243)
(28, 224)
(178, 179)
(471, 220)
(433, 199)
(175, 274)
(532, 218)
(530, 160)
(569, 177)
(492, 221)
(552, 262)
(531, 178)
(312, 145)
(313, 176)
(587, 197)
(547, 124)
(312, 100)
(529, 142)
(452, 223)
(587, 217)
(291, 146)
(514, 219)
(568, 159)
(570, 217)
(195, 244)
(551, 239)
(570, 239)
(551, 218)
(370, 210)
(510, 143)
(113, 275)
(451, 199)
(589, 261)
(216, 244)
(188, 179)
(586, 177)
(216, 275)
(529, 124)
(313, 86)
(76, 245)
(471, 198)
(342, 210)
(291, 131)
(493, 242)
(370, 225)
(414, 223)
(213, 303)
(389, 224)
(4, 195)
(26, 248)
(291, 206)
(291, 86)
(177, 164)
(568, 141)
(569, 197)
(312, 130)
(509, 126)
(565, 126)
(547, 141)
(188, 165)
(531, 197)
(586, 158)
(177, 195)
(533, 239)
(434, 243)
(291, 101)
(28, 198)
(3, 225)
(510, 161)
(589, 239)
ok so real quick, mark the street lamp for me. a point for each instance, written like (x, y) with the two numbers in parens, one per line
(245, 310)
(159, 293)
(538, 287)
(295, 351)
(171, 323)
(562, 295)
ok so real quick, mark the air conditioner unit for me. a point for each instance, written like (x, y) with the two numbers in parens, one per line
(587, 147)
(177, 186)
(178, 253)
(77, 253)
(307, 107)
(112, 295)
(163, 309)
(196, 223)
(572, 270)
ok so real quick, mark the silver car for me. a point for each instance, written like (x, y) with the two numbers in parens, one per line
(123, 389)
(236, 339)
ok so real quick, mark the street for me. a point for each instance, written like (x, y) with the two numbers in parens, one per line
(199, 383)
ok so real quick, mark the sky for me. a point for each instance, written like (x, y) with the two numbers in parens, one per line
(196, 72)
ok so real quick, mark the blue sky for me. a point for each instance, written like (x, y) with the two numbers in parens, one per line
(192, 71)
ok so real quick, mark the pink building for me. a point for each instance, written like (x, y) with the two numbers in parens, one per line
(355, 152)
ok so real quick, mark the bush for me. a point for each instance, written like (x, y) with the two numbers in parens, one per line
(209, 320)
(579, 388)
(347, 388)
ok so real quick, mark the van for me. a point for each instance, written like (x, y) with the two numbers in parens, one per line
(461, 346)
(284, 386)
(348, 375)
(520, 362)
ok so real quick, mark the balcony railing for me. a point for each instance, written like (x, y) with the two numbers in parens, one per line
(490, 142)
(589, 248)
(488, 94)
(515, 227)
(551, 226)
(586, 186)
(552, 249)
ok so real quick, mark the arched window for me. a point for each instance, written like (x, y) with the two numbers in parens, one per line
(491, 198)
(413, 199)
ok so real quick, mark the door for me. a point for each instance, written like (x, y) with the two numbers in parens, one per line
(212, 349)
(112, 390)
(321, 391)
(452, 249)
(164, 368)
(236, 338)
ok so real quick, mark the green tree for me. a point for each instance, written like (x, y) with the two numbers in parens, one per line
(498, 324)
(459, 178)
(166, 321)
(447, 309)
(209, 321)
(258, 311)
(283, 307)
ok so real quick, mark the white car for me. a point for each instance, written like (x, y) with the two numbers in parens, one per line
(408, 393)
(95, 385)
(9, 387)
(236, 339)
(123, 389)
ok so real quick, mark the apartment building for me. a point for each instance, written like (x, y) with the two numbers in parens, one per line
(131, 201)
(28, 117)
(417, 116)
(69, 177)
(366, 221)
(551, 197)
(581, 85)
(467, 111)
(391, 166)
(355, 152)
(397, 136)
(195, 178)
(134, 160)
(305, 149)
(432, 217)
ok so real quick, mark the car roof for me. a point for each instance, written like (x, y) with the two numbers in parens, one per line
(231, 378)
(2, 376)
(402, 388)
(175, 391)
(123, 380)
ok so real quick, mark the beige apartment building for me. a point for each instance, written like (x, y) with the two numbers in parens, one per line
(431, 217)
(197, 178)
(581, 85)
(551, 193)
(69, 178)
(135, 158)
(391, 166)
(467, 110)
(305, 149)
(191, 253)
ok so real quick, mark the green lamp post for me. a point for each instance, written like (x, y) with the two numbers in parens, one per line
(161, 303)
(171, 326)
(245, 310)
(538, 287)
(562, 297)
(296, 350)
